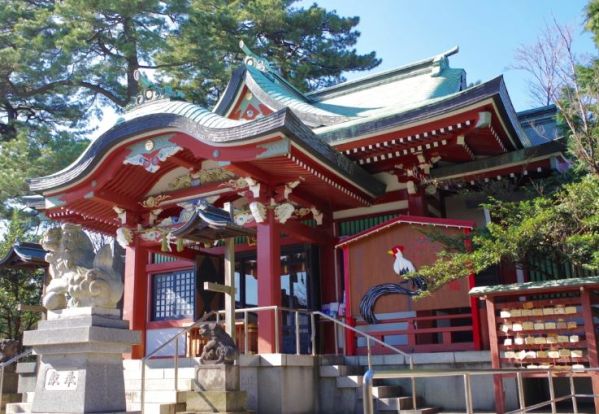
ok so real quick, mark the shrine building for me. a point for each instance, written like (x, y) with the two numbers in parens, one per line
(322, 185)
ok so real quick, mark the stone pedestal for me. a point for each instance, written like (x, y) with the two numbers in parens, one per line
(217, 390)
(81, 367)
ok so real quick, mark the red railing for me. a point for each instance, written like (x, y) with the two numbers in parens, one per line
(423, 333)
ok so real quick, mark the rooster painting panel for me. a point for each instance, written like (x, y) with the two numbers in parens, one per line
(409, 287)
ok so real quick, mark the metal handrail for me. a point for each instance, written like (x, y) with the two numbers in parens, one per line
(8, 363)
(369, 359)
(370, 376)
(175, 339)
(368, 339)
(277, 310)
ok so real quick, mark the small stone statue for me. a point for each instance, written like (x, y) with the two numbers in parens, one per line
(220, 348)
(88, 280)
(8, 349)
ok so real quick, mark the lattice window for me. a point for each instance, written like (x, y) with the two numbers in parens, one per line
(173, 295)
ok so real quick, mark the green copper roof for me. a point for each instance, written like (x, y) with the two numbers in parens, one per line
(394, 91)
(398, 92)
(277, 93)
(191, 111)
(534, 286)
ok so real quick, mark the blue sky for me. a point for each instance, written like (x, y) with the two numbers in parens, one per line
(487, 32)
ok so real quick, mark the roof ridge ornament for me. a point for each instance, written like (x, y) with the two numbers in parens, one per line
(252, 59)
(441, 61)
(152, 91)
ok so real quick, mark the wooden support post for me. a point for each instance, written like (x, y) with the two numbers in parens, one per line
(350, 336)
(417, 204)
(269, 281)
(476, 325)
(135, 299)
(495, 362)
(229, 288)
(230, 281)
(591, 339)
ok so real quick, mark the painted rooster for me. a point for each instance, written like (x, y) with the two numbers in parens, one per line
(401, 266)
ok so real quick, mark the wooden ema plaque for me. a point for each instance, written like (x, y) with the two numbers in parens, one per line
(540, 325)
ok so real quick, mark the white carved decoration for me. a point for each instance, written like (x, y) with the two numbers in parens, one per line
(317, 215)
(243, 217)
(121, 214)
(283, 212)
(88, 279)
(151, 235)
(154, 215)
(258, 211)
(124, 236)
(289, 188)
(254, 186)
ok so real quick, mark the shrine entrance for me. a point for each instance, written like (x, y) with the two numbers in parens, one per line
(299, 279)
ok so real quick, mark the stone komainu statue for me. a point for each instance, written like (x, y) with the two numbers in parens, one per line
(87, 279)
(220, 348)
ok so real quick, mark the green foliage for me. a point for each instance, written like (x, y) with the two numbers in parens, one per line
(564, 224)
(60, 61)
(311, 47)
(18, 286)
(562, 221)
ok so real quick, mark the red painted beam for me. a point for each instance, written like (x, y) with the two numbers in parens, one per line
(245, 169)
(471, 115)
(307, 234)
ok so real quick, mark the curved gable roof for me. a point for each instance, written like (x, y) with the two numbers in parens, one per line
(212, 129)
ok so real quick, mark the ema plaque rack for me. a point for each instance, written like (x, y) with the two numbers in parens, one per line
(543, 325)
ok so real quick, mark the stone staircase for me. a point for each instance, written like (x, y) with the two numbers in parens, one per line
(341, 392)
(160, 396)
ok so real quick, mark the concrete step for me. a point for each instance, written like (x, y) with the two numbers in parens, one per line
(185, 384)
(386, 391)
(18, 408)
(331, 360)
(429, 410)
(393, 403)
(217, 401)
(339, 370)
(160, 373)
(152, 408)
(349, 381)
(156, 397)
(212, 412)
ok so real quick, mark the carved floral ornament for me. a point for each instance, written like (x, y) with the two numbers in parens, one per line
(256, 211)
(284, 209)
(201, 177)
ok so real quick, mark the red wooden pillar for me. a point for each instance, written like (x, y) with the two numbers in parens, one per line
(268, 253)
(417, 204)
(329, 284)
(591, 339)
(135, 305)
(350, 336)
(476, 328)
